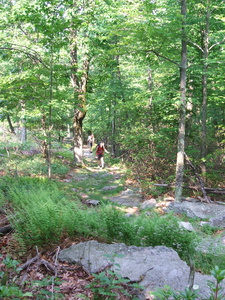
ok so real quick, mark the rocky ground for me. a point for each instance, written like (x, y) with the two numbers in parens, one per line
(41, 271)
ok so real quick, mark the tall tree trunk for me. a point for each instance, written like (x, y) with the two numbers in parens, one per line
(48, 158)
(80, 88)
(204, 87)
(114, 148)
(181, 133)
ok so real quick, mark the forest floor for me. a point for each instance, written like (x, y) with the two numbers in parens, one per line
(43, 273)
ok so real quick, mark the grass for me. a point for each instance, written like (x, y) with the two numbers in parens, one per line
(41, 213)
(43, 210)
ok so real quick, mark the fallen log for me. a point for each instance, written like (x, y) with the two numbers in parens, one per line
(208, 190)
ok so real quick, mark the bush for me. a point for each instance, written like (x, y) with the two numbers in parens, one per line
(164, 230)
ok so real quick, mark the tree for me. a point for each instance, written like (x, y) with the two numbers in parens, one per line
(209, 30)
(183, 82)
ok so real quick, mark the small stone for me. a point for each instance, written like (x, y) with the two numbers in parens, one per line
(93, 202)
(109, 188)
(186, 225)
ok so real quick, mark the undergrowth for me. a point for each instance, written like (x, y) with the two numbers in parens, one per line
(42, 211)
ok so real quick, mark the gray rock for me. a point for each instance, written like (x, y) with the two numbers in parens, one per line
(109, 188)
(127, 192)
(218, 221)
(200, 210)
(213, 245)
(202, 223)
(93, 202)
(148, 204)
(128, 198)
(151, 267)
(186, 225)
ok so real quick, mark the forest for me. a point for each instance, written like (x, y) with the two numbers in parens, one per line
(145, 77)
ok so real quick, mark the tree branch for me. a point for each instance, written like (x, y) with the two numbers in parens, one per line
(219, 43)
(196, 45)
(34, 56)
(164, 57)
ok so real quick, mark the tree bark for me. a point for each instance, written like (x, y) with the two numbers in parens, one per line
(181, 133)
(77, 139)
(204, 87)
(80, 88)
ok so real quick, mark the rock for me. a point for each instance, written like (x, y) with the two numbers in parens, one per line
(186, 225)
(214, 246)
(190, 199)
(200, 210)
(129, 192)
(128, 198)
(151, 267)
(106, 175)
(67, 180)
(148, 204)
(93, 202)
(218, 221)
(109, 188)
(202, 223)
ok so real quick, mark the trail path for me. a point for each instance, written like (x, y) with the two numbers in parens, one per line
(96, 185)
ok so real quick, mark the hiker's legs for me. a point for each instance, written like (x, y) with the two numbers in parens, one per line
(102, 162)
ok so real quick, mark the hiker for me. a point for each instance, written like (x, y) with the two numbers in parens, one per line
(91, 141)
(100, 154)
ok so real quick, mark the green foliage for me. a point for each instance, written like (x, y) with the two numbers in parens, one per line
(167, 293)
(42, 213)
(165, 230)
(2, 198)
(116, 226)
(219, 275)
(41, 292)
(206, 260)
(8, 288)
(109, 284)
(208, 229)
(9, 284)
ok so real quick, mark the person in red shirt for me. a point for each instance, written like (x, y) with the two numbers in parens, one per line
(100, 154)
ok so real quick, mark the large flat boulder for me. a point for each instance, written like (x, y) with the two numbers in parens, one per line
(151, 267)
(200, 210)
